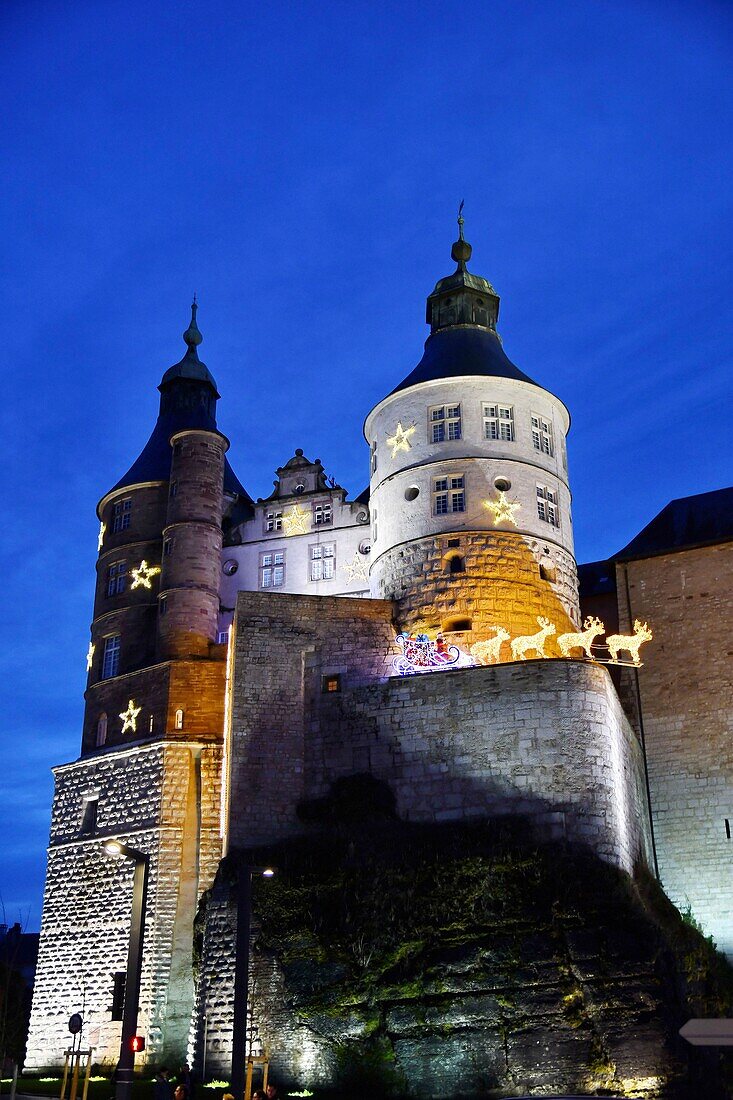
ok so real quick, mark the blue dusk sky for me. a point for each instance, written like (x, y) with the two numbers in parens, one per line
(299, 166)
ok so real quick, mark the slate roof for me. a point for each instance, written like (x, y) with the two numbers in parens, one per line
(460, 350)
(596, 578)
(683, 524)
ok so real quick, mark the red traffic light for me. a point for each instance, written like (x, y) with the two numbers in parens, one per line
(137, 1043)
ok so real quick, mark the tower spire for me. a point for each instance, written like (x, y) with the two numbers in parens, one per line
(461, 250)
(192, 336)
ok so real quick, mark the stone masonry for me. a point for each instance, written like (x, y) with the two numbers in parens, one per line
(686, 691)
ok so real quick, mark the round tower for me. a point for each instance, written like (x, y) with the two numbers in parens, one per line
(470, 502)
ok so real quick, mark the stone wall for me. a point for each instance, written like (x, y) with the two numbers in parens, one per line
(160, 798)
(686, 693)
(547, 738)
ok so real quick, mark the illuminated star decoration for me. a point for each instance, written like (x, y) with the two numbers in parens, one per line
(357, 568)
(502, 509)
(295, 522)
(129, 717)
(90, 656)
(100, 539)
(142, 575)
(400, 441)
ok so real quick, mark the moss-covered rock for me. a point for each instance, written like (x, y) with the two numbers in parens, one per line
(458, 960)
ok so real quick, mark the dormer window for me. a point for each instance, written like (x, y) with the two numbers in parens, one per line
(322, 514)
(273, 521)
(445, 423)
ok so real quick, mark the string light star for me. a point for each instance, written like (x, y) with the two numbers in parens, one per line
(129, 717)
(142, 576)
(502, 508)
(358, 568)
(90, 656)
(400, 441)
(296, 521)
(100, 538)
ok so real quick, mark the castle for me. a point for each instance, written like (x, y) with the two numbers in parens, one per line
(245, 649)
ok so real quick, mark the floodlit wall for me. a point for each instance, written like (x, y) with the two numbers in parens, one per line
(164, 800)
(686, 692)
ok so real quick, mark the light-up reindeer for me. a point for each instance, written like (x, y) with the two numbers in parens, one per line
(488, 652)
(592, 627)
(522, 645)
(629, 642)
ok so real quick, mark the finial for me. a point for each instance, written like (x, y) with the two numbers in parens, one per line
(461, 250)
(192, 336)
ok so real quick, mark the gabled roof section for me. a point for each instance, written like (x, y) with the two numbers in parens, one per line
(684, 524)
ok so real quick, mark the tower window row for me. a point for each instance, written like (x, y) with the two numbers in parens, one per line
(449, 496)
(445, 424)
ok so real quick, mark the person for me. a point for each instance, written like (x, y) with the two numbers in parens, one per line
(258, 1094)
(180, 1093)
(186, 1079)
(162, 1088)
(272, 1091)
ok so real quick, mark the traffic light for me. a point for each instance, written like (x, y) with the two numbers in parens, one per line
(118, 995)
(137, 1044)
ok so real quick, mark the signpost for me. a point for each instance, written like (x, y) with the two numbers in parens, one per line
(708, 1033)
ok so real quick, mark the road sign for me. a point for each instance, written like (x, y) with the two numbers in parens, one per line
(75, 1023)
(708, 1033)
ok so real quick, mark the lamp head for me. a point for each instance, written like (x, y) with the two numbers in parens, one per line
(112, 847)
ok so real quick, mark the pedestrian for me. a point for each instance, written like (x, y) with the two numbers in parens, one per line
(272, 1091)
(162, 1089)
(180, 1093)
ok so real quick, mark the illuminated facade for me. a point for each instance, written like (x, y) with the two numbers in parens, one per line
(244, 649)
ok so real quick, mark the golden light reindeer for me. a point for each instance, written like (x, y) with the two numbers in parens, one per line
(488, 652)
(592, 627)
(629, 642)
(522, 645)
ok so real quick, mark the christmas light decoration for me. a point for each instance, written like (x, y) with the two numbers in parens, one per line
(489, 652)
(522, 645)
(400, 441)
(629, 642)
(90, 656)
(419, 654)
(296, 521)
(592, 627)
(129, 717)
(100, 539)
(142, 576)
(358, 568)
(502, 508)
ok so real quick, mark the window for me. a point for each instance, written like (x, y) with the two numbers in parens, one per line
(101, 737)
(547, 508)
(445, 423)
(222, 637)
(167, 547)
(547, 572)
(88, 814)
(272, 569)
(111, 659)
(121, 515)
(116, 578)
(448, 495)
(542, 435)
(323, 561)
(499, 422)
(456, 564)
(331, 684)
(163, 606)
(179, 720)
(373, 457)
(151, 723)
(273, 521)
(322, 514)
(173, 489)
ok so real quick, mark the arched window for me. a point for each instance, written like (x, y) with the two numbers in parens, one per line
(101, 729)
(179, 719)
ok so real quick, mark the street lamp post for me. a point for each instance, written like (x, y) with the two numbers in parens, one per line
(241, 975)
(126, 1065)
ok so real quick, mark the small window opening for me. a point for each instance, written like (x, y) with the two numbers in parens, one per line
(331, 684)
(179, 720)
(456, 564)
(173, 489)
(101, 730)
(452, 626)
(167, 547)
(163, 605)
(89, 815)
(412, 493)
(453, 543)
(547, 572)
(727, 828)
(151, 724)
